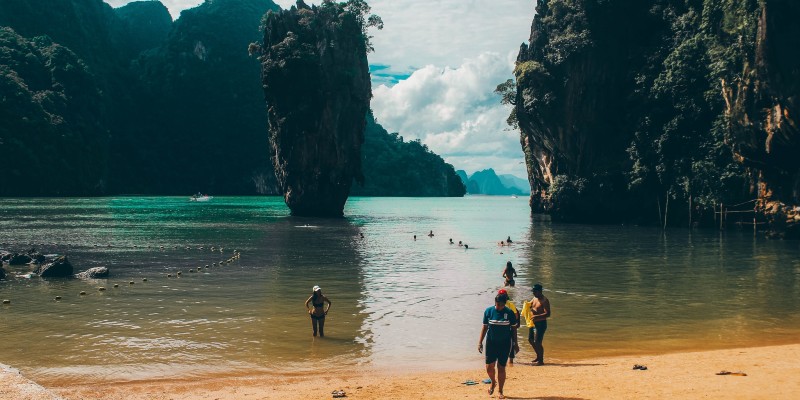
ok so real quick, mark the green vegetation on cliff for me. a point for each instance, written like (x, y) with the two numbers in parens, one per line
(52, 135)
(622, 112)
(393, 167)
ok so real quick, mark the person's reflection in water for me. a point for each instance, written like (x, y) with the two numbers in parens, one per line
(319, 312)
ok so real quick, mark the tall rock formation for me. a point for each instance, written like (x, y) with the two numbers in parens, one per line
(573, 86)
(317, 87)
(764, 127)
(658, 111)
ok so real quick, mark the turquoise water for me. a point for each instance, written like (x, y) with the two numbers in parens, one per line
(397, 302)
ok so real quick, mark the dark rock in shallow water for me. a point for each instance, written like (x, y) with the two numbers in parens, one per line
(2, 273)
(317, 86)
(19, 259)
(93, 273)
(59, 268)
(36, 257)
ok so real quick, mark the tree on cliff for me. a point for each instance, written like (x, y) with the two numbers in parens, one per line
(52, 136)
(317, 87)
(393, 167)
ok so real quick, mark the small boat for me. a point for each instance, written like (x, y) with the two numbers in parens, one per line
(513, 196)
(200, 197)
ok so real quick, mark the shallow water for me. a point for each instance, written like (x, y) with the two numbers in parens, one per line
(397, 302)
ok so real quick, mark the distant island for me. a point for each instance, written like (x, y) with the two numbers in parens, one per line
(489, 183)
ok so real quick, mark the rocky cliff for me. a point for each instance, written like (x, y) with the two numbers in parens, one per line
(658, 111)
(763, 106)
(573, 87)
(317, 87)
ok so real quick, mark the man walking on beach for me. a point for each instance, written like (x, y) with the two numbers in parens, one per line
(500, 323)
(513, 308)
(540, 309)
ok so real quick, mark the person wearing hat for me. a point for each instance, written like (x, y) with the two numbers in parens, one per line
(499, 329)
(513, 309)
(540, 310)
(319, 311)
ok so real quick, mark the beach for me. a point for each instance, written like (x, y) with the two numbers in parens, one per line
(771, 373)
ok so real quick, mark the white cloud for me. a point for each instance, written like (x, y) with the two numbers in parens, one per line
(455, 112)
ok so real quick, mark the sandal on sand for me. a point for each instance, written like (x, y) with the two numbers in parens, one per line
(737, 373)
(469, 382)
(487, 380)
(640, 367)
(338, 393)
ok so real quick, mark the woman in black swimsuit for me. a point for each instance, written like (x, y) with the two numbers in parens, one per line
(509, 273)
(319, 312)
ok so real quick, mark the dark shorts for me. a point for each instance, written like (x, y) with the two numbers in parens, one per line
(536, 334)
(320, 318)
(497, 352)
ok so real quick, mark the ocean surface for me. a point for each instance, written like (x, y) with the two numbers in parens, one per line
(398, 303)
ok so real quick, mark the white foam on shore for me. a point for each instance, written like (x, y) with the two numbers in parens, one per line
(17, 387)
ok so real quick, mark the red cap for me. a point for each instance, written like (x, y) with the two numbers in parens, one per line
(502, 291)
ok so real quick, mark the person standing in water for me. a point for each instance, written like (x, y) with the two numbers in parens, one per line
(500, 324)
(319, 311)
(509, 273)
(540, 310)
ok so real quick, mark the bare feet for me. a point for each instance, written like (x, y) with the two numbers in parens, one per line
(491, 389)
(501, 396)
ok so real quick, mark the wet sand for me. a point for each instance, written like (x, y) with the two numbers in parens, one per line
(772, 373)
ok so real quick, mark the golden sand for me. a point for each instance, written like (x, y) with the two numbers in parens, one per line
(771, 373)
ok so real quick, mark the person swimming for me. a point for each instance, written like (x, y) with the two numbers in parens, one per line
(430, 234)
(508, 240)
(451, 240)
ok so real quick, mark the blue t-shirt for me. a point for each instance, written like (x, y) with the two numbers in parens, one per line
(500, 323)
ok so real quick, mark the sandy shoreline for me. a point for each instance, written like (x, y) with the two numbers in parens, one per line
(772, 373)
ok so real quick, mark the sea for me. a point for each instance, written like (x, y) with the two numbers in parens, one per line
(179, 303)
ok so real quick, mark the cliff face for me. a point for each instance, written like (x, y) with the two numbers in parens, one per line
(763, 107)
(658, 111)
(573, 92)
(317, 87)
(52, 139)
(205, 111)
(143, 25)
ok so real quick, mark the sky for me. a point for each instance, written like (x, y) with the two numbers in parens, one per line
(434, 70)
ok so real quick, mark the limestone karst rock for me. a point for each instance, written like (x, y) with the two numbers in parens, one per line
(763, 108)
(317, 87)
